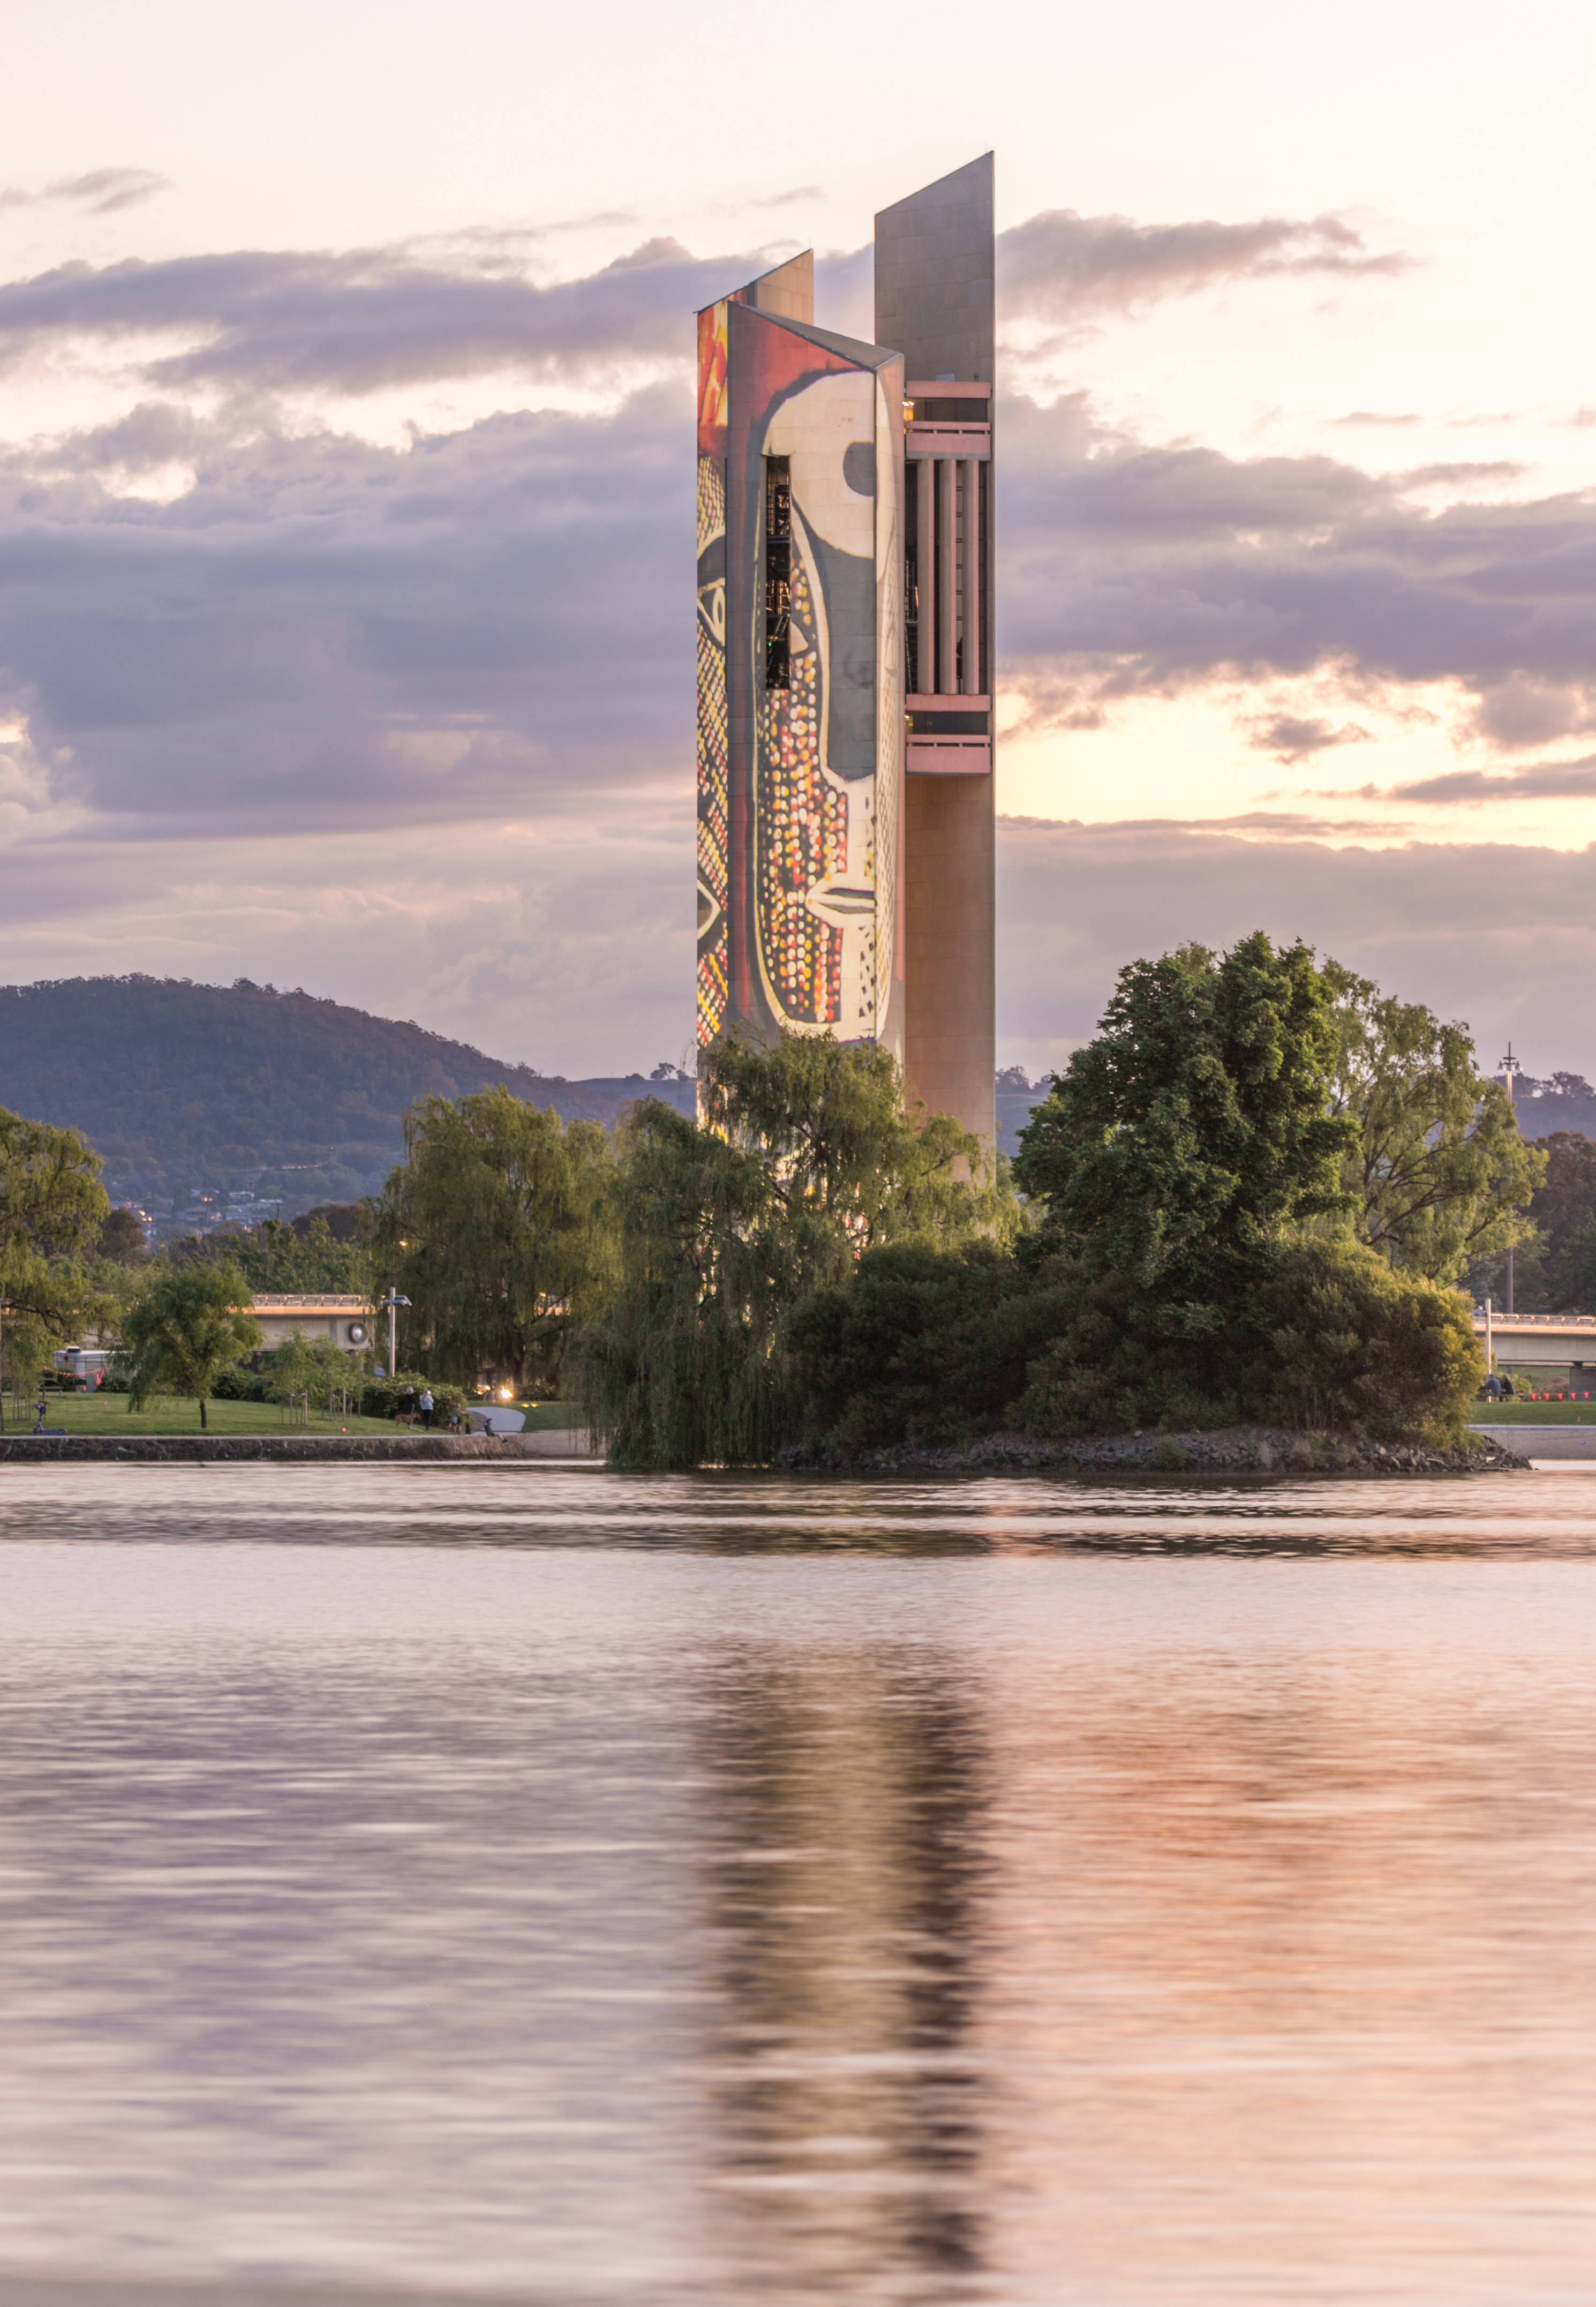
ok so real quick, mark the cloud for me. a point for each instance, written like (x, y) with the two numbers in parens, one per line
(1139, 570)
(486, 622)
(1501, 936)
(367, 320)
(311, 693)
(370, 320)
(1065, 268)
(1291, 739)
(1371, 418)
(1536, 781)
(102, 191)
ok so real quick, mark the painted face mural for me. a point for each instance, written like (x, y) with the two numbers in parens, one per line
(800, 619)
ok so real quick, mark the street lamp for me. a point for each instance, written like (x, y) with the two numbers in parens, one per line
(393, 1301)
(1511, 1069)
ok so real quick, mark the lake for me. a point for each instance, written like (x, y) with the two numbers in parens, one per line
(526, 1884)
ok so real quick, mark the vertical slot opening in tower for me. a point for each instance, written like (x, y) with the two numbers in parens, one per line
(778, 572)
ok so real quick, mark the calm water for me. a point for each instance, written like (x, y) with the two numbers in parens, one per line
(527, 1884)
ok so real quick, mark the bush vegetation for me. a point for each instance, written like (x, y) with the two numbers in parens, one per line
(1251, 1195)
(1245, 1198)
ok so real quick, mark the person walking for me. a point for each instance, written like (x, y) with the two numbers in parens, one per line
(427, 1406)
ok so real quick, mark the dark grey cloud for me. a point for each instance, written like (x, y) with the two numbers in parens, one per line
(1068, 268)
(1290, 738)
(486, 622)
(101, 191)
(1501, 936)
(365, 320)
(1136, 570)
(1536, 781)
(322, 638)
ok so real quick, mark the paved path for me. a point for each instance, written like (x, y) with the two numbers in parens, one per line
(1544, 1441)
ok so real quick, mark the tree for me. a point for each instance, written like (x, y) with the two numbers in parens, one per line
(494, 1227)
(189, 1323)
(1194, 1129)
(303, 1255)
(1439, 1173)
(122, 1238)
(1191, 1165)
(52, 1207)
(807, 1158)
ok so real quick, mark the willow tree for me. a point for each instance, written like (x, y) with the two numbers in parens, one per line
(808, 1155)
(496, 1226)
(52, 1207)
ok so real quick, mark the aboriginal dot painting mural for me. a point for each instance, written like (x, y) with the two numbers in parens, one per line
(800, 712)
(714, 886)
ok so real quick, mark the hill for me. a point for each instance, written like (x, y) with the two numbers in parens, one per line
(202, 1095)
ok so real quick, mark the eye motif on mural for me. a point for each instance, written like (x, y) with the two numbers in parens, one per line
(815, 764)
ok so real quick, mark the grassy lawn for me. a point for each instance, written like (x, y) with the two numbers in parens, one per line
(1519, 1413)
(543, 1415)
(109, 1413)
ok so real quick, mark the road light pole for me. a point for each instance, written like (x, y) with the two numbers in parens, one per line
(1511, 1069)
(393, 1301)
(6, 1306)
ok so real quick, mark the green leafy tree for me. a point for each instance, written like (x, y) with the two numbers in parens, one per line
(278, 1257)
(1192, 1166)
(188, 1323)
(807, 1158)
(52, 1207)
(310, 1370)
(496, 1226)
(1194, 1129)
(1439, 1173)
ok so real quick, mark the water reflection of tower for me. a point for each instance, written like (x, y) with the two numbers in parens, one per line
(841, 1866)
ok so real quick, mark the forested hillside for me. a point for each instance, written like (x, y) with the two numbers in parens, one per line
(192, 1090)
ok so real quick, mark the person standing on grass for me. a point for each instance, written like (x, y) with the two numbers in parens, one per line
(426, 1407)
(407, 1408)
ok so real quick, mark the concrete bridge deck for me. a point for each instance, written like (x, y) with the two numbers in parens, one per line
(1553, 1338)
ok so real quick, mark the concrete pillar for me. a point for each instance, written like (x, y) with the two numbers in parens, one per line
(947, 579)
(925, 571)
(970, 573)
(949, 1027)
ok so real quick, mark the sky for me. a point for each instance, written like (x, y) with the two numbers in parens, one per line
(345, 483)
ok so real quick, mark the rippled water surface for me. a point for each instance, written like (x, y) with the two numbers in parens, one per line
(522, 1884)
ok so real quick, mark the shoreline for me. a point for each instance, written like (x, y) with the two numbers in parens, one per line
(297, 1449)
(1230, 1450)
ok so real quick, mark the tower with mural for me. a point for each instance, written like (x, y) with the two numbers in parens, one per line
(844, 624)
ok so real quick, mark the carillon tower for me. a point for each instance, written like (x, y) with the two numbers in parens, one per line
(844, 656)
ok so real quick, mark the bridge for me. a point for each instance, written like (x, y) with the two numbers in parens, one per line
(1555, 1338)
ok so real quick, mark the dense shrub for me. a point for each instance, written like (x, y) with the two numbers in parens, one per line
(380, 1397)
(1315, 1333)
(923, 1347)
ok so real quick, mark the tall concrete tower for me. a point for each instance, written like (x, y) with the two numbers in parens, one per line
(934, 302)
(846, 820)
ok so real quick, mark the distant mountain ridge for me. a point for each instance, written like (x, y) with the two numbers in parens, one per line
(190, 1090)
